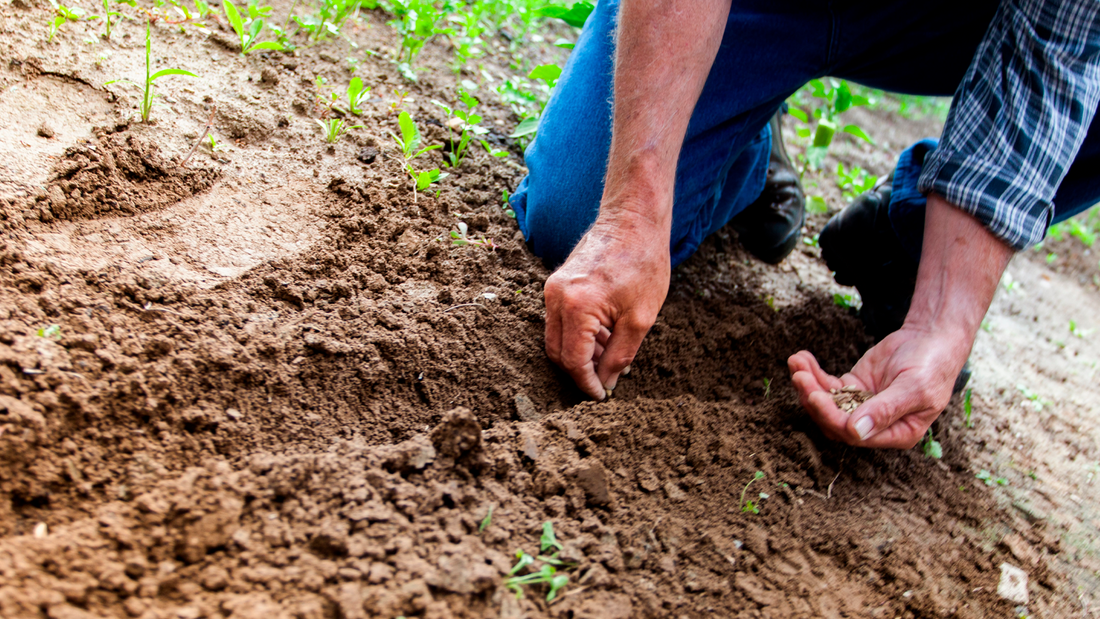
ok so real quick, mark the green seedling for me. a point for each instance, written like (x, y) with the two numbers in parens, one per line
(854, 182)
(812, 241)
(468, 44)
(1037, 401)
(1078, 332)
(768, 381)
(108, 15)
(402, 97)
(460, 238)
(1052, 257)
(150, 77)
(486, 521)
(548, 575)
(334, 128)
(527, 126)
(50, 331)
(507, 208)
(987, 326)
(63, 14)
(967, 409)
(357, 94)
(548, 73)
(468, 121)
(989, 480)
(838, 98)
(330, 17)
(1008, 283)
(847, 301)
(817, 204)
(214, 146)
(931, 447)
(548, 541)
(409, 142)
(749, 506)
(250, 35)
(417, 22)
(1082, 232)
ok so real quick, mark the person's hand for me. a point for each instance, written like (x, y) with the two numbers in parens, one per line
(601, 303)
(911, 372)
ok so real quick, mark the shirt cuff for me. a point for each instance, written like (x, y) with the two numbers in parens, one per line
(990, 193)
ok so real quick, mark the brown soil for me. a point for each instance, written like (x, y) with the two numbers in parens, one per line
(277, 390)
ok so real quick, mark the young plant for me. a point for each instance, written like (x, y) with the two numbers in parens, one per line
(931, 447)
(61, 15)
(547, 574)
(486, 521)
(461, 238)
(989, 480)
(409, 142)
(150, 77)
(356, 95)
(330, 17)
(854, 182)
(749, 506)
(507, 206)
(838, 98)
(416, 21)
(846, 301)
(248, 36)
(574, 16)
(50, 331)
(468, 121)
(967, 409)
(108, 14)
(334, 128)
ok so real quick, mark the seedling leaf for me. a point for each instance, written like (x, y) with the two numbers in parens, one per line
(163, 72)
(409, 132)
(858, 132)
(548, 540)
(527, 126)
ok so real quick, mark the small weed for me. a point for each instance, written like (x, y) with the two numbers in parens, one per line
(1078, 332)
(150, 77)
(812, 241)
(50, 331)
(330, 17)
(214, 146)
(750, 506)
(402, 97)
(847, 301)
(1052, 257)
(987, 326)
(468, 120)
(547, 574)
(63, 14)
(357, 94)
(417, 22)
(854, 182)
(334, 128)
(248, 36)
(967, 409)
(931, 447)
(507, 208)
(989, 480)
(409, 142)
(460, 238)
(108, 14)
(1037, 402)
(1008, 283)
(817, 205)
(767, 385)
(486, 521)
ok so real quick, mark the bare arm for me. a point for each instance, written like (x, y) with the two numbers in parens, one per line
(912, 370)
(603, 300)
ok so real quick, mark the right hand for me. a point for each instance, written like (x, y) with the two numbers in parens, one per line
(602, 301)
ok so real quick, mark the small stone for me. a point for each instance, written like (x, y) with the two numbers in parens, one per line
(367, 155)
(525, 408)
(269, 76)
(46, 131)
(674, 493)
(1013, 585)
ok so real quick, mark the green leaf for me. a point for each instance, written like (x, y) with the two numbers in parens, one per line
(548, 539)
(423, 180)
(266, 45)
(489, 516)
(858, 132)
(799, 114)
(548, 73)
(409, 132)
(556, 583)
(843, 98)
(564, 44)
(527, 126)
(819, 89)
(234, 17)
(575, 16)
(254, 29)
(164, 72)
(817, 204)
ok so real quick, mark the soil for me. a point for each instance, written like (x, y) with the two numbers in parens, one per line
(276, 389)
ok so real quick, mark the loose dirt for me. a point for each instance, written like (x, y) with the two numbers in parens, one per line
(277, 390)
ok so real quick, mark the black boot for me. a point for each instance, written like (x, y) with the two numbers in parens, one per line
(860, 247)
(771, 226)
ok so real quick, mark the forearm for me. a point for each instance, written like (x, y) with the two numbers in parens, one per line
(961, 264)
(664, 53)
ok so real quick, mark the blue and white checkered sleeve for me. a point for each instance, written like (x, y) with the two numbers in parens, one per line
(1019, 116)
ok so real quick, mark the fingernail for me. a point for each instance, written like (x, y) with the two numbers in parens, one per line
(612, 382)
(864, 427)
(626, 371)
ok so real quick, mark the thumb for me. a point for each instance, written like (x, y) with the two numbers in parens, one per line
(888, 420)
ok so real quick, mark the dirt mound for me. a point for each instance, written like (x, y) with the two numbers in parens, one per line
(632, 491)
(118, 174)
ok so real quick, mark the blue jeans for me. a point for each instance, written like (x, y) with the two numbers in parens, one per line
(769, 50)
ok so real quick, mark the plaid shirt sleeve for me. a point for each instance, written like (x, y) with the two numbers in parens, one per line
(1019, 116)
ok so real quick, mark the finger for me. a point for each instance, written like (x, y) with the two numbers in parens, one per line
(804, 361)
(578, 348)
(894, 417)
(597, 352)
(603, 336)
(553, 325)
(820, 406)
(629, 332)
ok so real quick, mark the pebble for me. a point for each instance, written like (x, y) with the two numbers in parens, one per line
(1013, 585)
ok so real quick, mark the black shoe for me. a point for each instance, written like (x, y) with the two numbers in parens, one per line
(771, 226)
(860, 247)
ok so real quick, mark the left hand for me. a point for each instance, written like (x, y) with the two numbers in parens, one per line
(911, 372)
